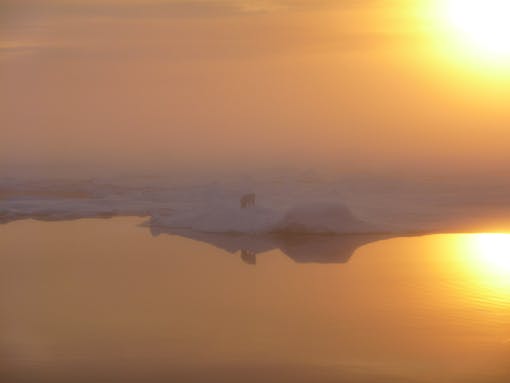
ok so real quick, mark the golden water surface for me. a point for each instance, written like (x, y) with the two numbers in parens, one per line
(104, 301)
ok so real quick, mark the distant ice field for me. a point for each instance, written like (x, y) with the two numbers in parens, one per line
(296, 203)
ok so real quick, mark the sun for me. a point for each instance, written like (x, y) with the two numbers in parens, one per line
(482, 25)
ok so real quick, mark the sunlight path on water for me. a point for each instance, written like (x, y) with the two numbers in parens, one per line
(486, 260)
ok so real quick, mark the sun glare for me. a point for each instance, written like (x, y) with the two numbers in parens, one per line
(485, 258)
(494, 250)
(484, 25)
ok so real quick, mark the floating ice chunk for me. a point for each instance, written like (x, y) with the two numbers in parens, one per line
(223, 219)
(312, 218)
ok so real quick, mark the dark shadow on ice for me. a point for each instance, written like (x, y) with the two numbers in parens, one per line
(301, 248)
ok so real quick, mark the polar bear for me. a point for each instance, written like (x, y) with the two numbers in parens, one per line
(247, 200)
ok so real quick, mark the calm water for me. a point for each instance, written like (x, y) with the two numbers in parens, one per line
(106, 301)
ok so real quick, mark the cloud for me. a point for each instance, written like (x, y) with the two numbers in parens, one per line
(184, 29)
(173, 8)
(17, 46)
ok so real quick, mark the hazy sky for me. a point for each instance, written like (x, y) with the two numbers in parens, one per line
(175, 84)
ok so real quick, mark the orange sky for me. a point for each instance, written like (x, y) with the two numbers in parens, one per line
(166, 84)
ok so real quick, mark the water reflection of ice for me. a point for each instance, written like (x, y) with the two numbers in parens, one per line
(307, 248)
